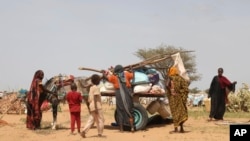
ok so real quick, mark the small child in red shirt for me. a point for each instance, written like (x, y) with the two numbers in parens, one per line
(74, 100)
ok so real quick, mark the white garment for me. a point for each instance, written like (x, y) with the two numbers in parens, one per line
(178, 63)
(97, 118)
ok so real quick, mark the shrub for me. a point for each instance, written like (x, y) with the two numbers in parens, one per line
(240, 100)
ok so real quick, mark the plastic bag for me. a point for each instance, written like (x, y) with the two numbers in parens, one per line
(45, 105)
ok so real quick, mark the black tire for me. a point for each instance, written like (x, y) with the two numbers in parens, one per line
(140, 117)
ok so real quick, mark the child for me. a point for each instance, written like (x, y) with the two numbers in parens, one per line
(96, 113)
(74, 100)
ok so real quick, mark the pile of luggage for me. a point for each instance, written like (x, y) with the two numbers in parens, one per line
(146, 81)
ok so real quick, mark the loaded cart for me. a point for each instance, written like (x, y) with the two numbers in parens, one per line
(148, 82)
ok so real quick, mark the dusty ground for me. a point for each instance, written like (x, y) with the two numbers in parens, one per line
(12, 128)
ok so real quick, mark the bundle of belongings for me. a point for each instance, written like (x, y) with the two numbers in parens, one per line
(146, 80)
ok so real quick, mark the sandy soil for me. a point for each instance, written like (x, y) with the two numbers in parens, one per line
(13, 128)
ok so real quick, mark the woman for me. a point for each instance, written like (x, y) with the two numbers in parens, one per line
(177, 88)
(36, 95)
(124, 103)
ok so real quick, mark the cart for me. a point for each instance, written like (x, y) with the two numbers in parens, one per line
(141, 115)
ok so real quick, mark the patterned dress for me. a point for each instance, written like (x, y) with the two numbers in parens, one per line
(177, 95)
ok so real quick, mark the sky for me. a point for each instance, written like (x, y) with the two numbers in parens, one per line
(59, 36)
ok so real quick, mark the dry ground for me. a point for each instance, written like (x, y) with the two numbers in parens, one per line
(12, 128)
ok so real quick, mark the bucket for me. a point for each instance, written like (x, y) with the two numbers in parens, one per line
(163, 110)
(153, 107)
(207, 103)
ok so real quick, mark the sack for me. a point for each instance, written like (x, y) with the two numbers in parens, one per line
(140, 78)
(103, 89)
(142, 88)
(45, 105)
(156, 89)
(108, 85)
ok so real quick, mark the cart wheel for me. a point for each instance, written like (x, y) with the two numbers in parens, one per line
(140, 117)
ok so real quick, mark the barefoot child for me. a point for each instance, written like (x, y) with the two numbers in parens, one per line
(96, 113)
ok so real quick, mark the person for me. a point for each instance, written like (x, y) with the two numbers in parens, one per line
(35, 97)
(95, 107)
(74, 100)
(218, 94)
(177, 93)
(124, 102)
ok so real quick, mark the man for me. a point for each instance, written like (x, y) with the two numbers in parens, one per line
(218, 94)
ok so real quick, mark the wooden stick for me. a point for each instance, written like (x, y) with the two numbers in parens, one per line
(166, 54)
(151, 60)
(133, 66)
(144, 63)
(89, 69)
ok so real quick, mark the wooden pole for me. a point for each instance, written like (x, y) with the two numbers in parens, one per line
(89, 69)
(151, 60)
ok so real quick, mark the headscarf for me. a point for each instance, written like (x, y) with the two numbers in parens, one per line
(34, 90)
(38, 74)
(118, 69)
(172, 71)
